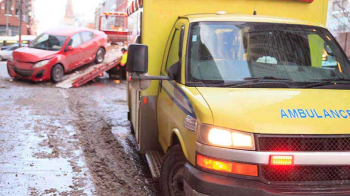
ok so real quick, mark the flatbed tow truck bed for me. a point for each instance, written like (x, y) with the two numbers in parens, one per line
(87, 73)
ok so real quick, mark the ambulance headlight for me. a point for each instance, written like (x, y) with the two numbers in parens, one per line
(228, 138)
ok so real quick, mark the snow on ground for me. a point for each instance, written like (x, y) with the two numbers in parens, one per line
(60, 141)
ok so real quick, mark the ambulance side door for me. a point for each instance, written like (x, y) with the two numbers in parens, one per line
(165, 101)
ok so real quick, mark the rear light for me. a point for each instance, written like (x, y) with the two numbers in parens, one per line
(227, 167)
(281, 159)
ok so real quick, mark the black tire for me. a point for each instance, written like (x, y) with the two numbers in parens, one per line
(171, 174)
(100, 56)
(57, 73)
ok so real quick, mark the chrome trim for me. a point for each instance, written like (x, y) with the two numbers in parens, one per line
(300, 158)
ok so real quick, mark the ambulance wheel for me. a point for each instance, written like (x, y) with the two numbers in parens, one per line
(171, 174)
(57, 73)
(100, 56)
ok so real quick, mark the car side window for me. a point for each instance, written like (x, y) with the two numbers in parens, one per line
(87, 36)
(75, 40)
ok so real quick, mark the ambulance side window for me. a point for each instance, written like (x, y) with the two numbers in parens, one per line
(173, 56)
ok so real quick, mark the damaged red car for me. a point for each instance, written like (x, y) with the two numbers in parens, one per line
(56, 52)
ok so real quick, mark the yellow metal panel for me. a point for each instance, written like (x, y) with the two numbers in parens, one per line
(260, 110)
(204, 115)
(187, 137)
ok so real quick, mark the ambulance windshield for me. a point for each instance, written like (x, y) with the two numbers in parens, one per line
(231, 52)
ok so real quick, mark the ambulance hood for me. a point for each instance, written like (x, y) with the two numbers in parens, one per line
(307, 111)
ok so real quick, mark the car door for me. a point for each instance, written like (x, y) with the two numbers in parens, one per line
(167, 89)
(88, 46)
(74, 58)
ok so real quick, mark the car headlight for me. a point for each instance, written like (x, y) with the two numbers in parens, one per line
(41, 64)
(222, 137)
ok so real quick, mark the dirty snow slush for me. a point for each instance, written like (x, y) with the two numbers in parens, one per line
(109, 147)
(69, 142)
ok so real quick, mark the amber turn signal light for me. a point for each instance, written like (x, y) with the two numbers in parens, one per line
(228, 167)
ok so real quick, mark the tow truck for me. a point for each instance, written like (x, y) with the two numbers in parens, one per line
(116, 33)
(251, 100)
(113, 24)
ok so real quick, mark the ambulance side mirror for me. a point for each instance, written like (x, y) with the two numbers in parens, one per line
(137, 59)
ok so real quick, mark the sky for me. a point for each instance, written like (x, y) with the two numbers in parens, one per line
(50, 13)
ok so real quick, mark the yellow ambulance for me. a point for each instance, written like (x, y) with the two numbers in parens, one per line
(243, 97)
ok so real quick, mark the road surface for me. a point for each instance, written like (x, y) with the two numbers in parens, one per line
(68, 141)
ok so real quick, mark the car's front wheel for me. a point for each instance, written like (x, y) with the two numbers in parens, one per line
(57, 73)
(171, 177)
(100, 55)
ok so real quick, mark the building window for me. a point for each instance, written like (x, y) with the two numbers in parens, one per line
(8, 6)
(17, 8)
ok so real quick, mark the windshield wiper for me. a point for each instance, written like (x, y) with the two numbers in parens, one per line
(255, 79)
(325, 82)
(336, 79)
(267, 78)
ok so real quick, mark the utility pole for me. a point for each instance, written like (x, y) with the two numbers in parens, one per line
(20, 22)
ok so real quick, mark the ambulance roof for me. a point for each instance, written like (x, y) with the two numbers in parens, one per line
(246, 18)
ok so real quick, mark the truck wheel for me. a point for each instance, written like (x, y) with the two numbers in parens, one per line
(57, 73)
(100, 56)
(171, 176)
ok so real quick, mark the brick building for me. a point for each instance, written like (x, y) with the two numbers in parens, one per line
(9, 18)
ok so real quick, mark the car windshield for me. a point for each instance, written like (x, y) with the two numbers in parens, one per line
(235, 52)
(48, 42)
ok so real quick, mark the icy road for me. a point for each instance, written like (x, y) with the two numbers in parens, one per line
(68, 141)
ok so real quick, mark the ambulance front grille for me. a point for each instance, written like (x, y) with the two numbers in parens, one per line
(338, 143)
(301, 174)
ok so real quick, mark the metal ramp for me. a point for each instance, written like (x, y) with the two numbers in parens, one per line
(83, 75)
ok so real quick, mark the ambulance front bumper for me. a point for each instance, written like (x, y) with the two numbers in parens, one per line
(198, 181)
